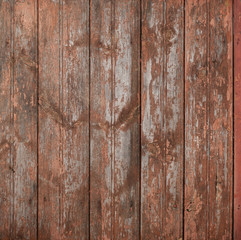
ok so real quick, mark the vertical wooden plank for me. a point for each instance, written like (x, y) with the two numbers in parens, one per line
(115, 104)
(196, 119)
(162, 119)
(25, 119)
(75, 120)
(64, 119)
(18, 120)
(6, 141)
(50, 120)
(208, 114)
(126, 112)
(237, 119)
(221, 119)
(101, 116)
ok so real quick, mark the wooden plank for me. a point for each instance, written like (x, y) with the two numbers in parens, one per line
(64, 119)
(25, 119)
(101, 116)
(237, 119)
(126, 116)
(76, 119)
(208, 114)
(18, 120)
(50, 120)
(115, 102)
(6, 120)
(196, 119)
(162, 119)
(221, 120)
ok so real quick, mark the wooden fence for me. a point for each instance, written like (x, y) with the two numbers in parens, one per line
(120, 119)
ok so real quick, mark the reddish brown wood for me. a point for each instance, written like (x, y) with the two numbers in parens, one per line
(6, 120)
(18, 120)
(115, 103)
(126, 116)
(64, 119)
(89, 122)
(237, 119)
(220, 165)
(208, 114)
(25, 119)
(101, 116)
(162, 119)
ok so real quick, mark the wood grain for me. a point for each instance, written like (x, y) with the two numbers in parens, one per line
(237, 119)
(64, 120)
(25, 118)
(101, 117)
(126, 112)
(115, 103)
(162, 119)
(221, 120)
(19, 136)
(208, 125)
(116, 119)
(6, 120)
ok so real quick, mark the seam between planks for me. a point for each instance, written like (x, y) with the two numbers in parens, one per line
(13, 231)
(89, 113)
(184, 118)
(37, 214)
(140, 167)
(233, 116)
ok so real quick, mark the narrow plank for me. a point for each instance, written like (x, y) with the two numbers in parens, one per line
(162, 119)
(6, 119)
(237, 119)
(196, 119)
(25, 119)
(64, 119)
(50, 121)
(221, 120)
(101, 106)
(126, 115)
(208, 195)
(75, 107)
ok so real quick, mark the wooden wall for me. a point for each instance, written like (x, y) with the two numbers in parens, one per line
(120, 119)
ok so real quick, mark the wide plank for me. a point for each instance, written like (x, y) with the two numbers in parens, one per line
(162, 119)
(64, 119)
(208, 120)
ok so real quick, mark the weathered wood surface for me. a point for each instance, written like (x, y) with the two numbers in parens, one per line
(237, 119)
(64, 119)
(18, 100)
(208, 120)
(162, 119)
(101, 117)
(117, 119)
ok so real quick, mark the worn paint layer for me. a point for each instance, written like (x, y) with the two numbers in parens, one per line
(116, 119)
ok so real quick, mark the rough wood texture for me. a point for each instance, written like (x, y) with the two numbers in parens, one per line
(64, 120)
(115, 103)
(6, 120)
(126, 110)
(18, 120)
(101, 116)
(221, 120)
(162, 119)
(208, 114)
(237, 119)
(116, 119)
